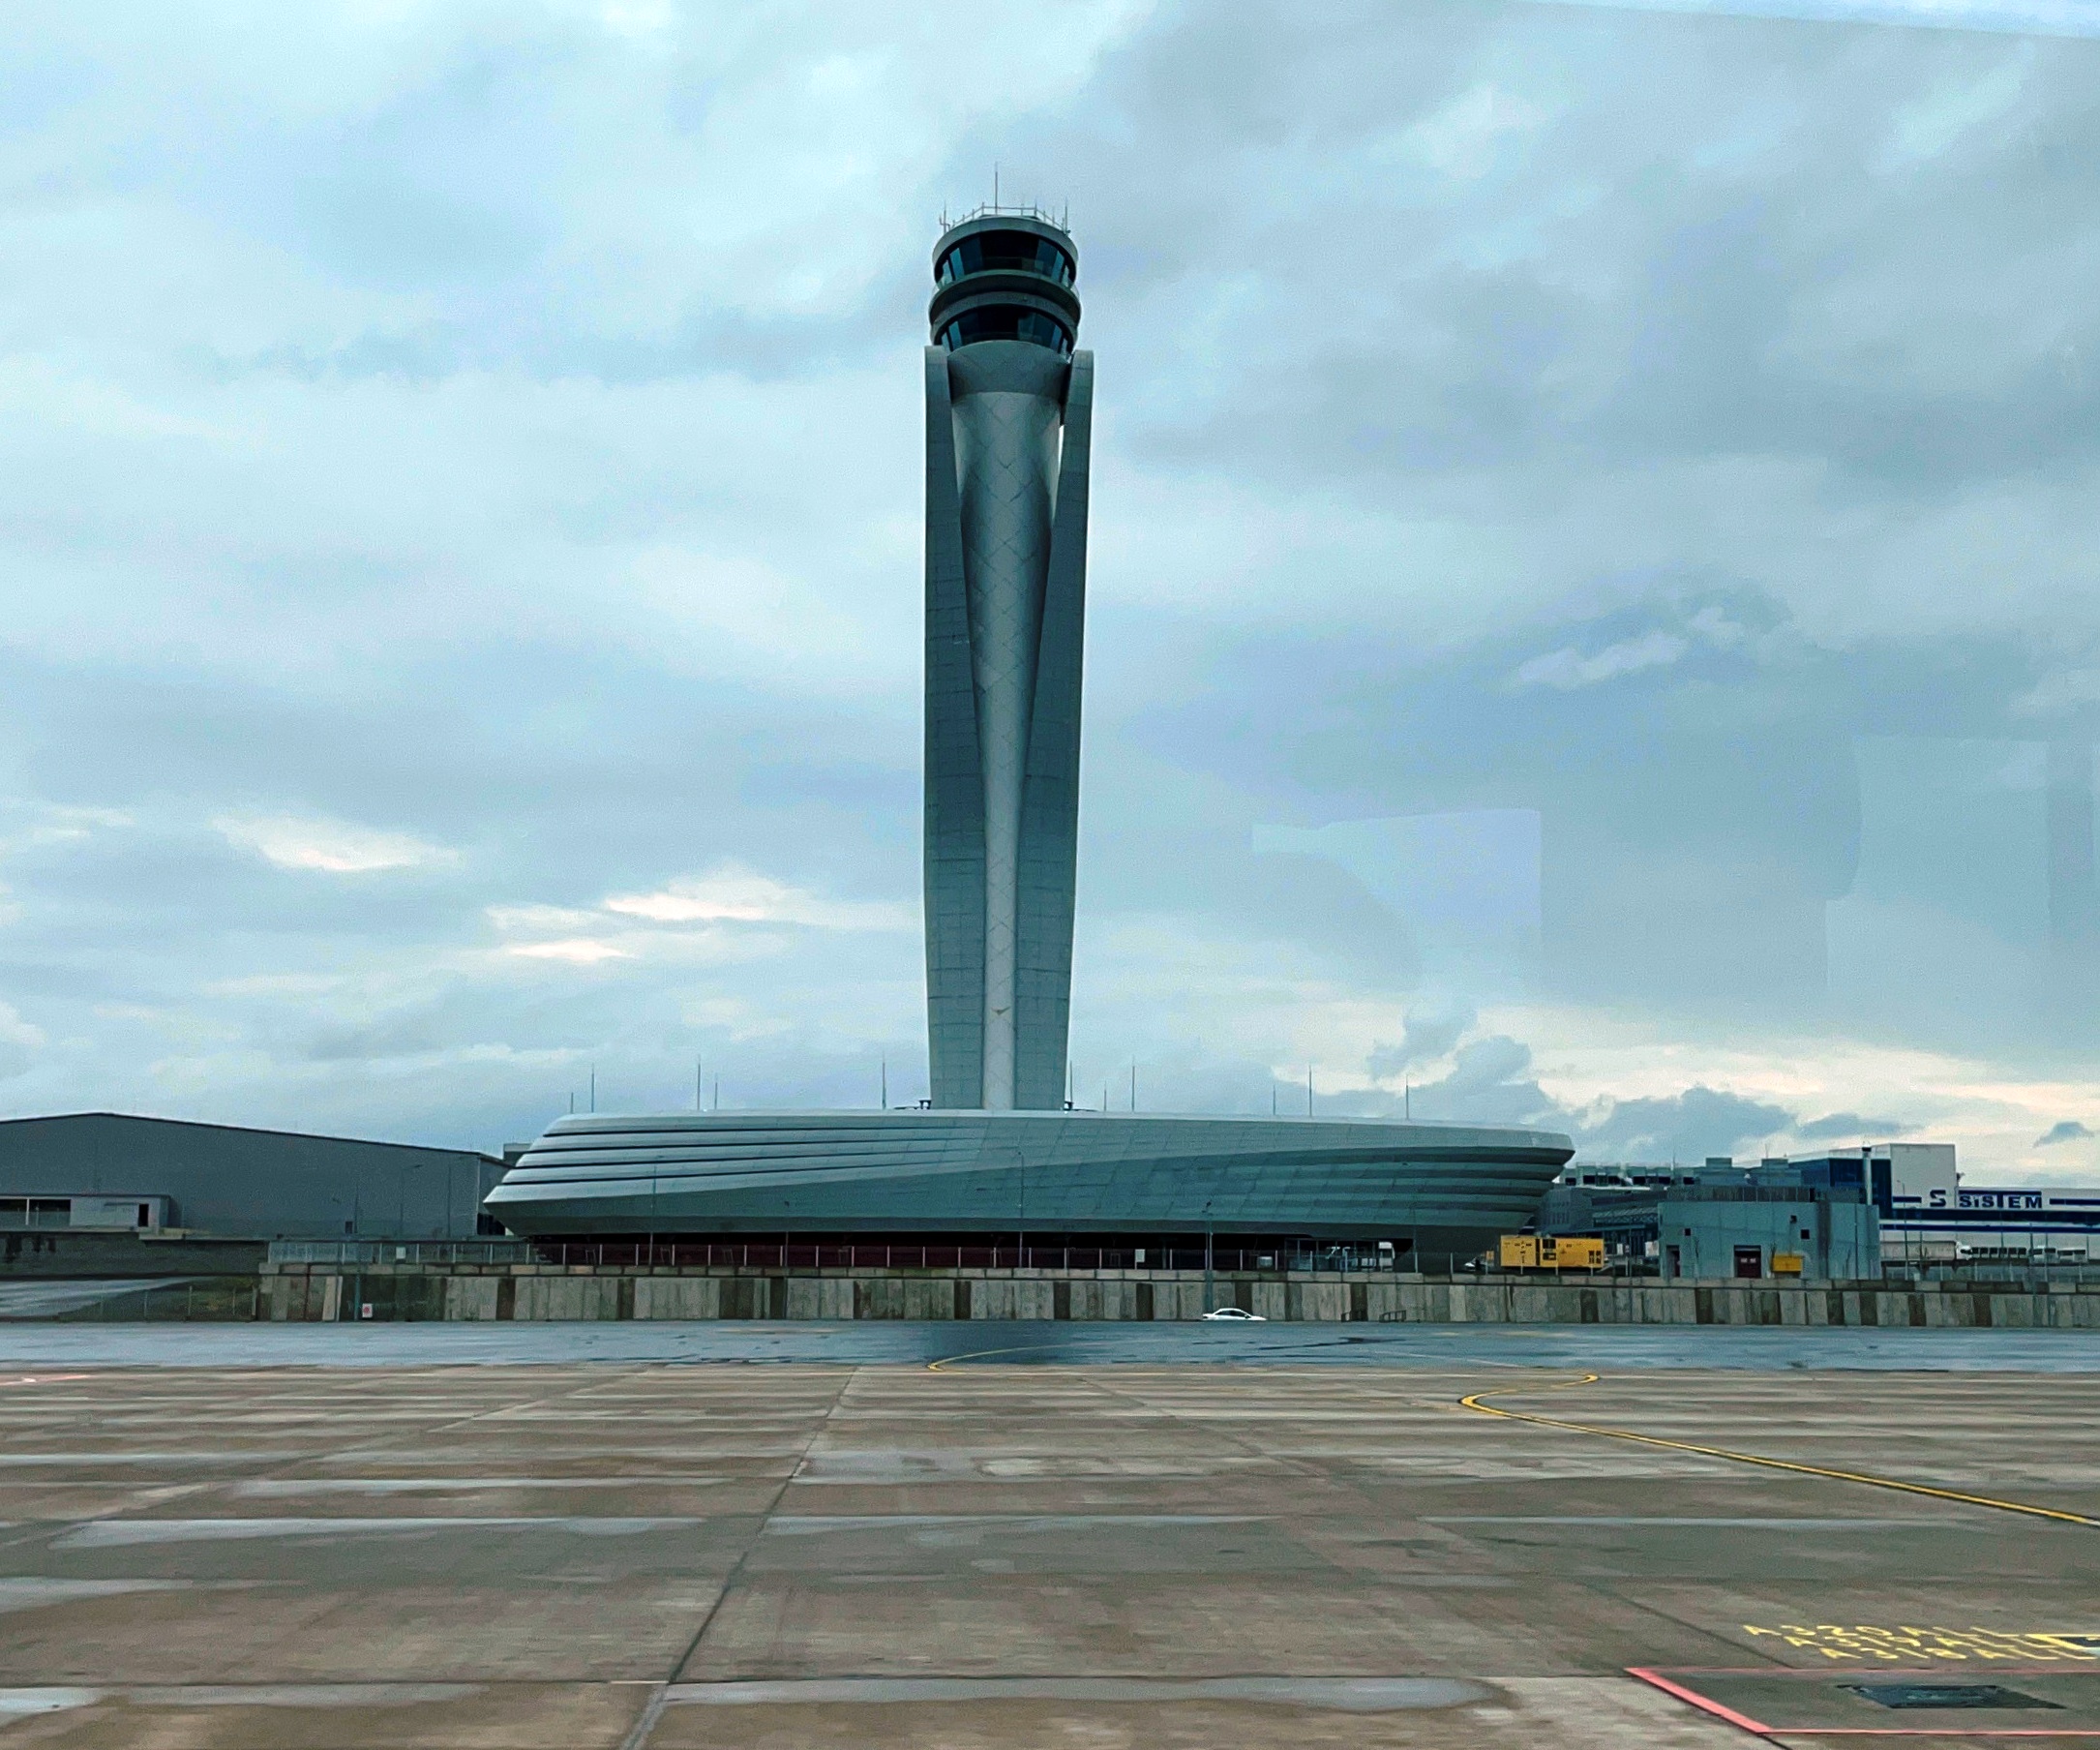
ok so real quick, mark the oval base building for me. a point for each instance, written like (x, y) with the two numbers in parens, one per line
(1438, 1191)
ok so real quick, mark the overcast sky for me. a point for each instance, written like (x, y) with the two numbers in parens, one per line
(1593, 580)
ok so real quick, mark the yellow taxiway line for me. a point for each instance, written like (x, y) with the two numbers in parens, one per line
(1026, 1349)
(1473, 1403)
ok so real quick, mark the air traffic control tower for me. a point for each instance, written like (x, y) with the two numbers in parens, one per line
(1009, 407)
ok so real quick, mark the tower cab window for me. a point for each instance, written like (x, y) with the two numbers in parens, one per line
(1005, 252)
(1007, 322)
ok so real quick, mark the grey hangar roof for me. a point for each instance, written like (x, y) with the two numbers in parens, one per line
(238, 1181)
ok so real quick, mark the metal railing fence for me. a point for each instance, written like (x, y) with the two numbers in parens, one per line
(402, 1252)
(670, 1254)
(787, 1255)
(683, 1254)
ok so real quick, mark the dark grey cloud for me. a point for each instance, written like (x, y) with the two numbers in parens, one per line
(2070, 1129)
(1488, 1082)
(1431, 1032)
(1839, 1126)
(1687, 1127)
(1641, 303)
(1492, 1080)
(486, 440)
(1740, 247)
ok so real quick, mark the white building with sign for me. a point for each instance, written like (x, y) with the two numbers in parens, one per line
(1931, 1217)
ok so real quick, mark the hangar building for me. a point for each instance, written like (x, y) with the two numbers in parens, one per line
(104, 1171)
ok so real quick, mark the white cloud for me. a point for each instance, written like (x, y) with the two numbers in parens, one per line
(20, 1042)
(303, 985)
(1926, 129)
(637, 17)
(2055, 695)
(577, 950)
(16, 1031)
(1569, 669)
(541, 918)
(1461, 139)
(330, 846)
(730, 917)
(735, 615)
(735, 895)
(43, 826)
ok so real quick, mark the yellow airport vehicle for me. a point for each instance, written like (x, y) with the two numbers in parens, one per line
(1534, 1251)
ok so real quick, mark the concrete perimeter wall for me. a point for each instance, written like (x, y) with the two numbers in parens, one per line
(327, 1292)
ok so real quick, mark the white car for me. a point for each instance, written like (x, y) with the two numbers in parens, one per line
(1236, 1316)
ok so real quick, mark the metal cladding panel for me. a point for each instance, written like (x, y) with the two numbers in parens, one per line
(1074, 1172)
(1049, 861)
(1009, 405)
(954, 779)
(1008, 427)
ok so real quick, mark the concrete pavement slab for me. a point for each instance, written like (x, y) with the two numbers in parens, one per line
(413, 1554)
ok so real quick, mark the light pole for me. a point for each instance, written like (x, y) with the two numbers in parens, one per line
(1210, 1298)
(1020, 1208)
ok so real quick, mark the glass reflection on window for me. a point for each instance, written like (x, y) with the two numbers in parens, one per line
(1007, 322)
(1005, 252)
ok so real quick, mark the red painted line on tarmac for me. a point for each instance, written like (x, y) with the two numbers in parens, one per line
(1705, 1704)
